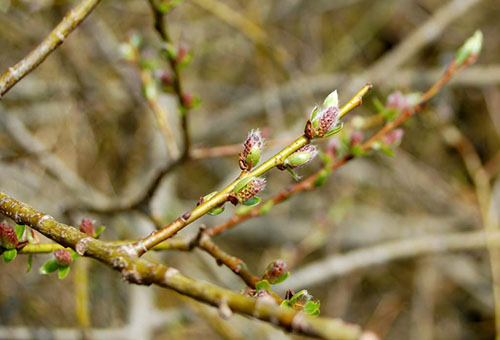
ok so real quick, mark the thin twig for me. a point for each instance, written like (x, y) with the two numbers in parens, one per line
(71, 21)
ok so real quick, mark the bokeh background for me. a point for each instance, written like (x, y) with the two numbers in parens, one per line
(78, 132)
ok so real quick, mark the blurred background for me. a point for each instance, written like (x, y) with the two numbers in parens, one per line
(77, 134)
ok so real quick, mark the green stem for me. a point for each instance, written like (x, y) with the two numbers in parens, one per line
(142, 246)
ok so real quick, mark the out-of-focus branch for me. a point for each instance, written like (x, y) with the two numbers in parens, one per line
(309, 182)
(18, 132)
(161, 28)
(71, 21)
(343, 264)
(139, 271)
(491, 223)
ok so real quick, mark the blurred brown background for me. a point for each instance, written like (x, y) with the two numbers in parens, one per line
(77, 131)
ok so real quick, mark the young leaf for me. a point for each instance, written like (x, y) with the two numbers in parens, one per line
(30, 263)
(63, 272)
(263, 284)
(282, 278)
(49, 267)
(19, 229)
(265, 208)
(252, 201)
(216, 211)
(99, 231)
(312, 308)
(9, 255)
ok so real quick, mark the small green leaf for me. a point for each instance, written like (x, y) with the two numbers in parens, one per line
(74, 254)
(357, 151)
(312, 308)
(19, 229)
(30, 262)
(266, 207)
(322, 177)
(334, 131)
(263, 284)
(378, 105)
(282, 278)
(286, 303)
(252, 202)
(9, 255)
(331, 100)
(99, 231)
(293, 174)
(387, 150)
(216, 211)
(49, 267)
(63, 272)
(314, 112)
(243, 183)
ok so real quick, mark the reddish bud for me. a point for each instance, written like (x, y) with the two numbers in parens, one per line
(255, 186)
(356, 138)
(252, 149)
(188, 100)
(332, 148)
(182, 52)
(397, 100)
(63, 257)
(164, 77)
(87, 227)
(8, 237)
(274, 271)
(394, 137)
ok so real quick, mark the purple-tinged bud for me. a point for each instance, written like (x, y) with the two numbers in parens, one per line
(301, 157)
(356, 138)
(252, 149)
(87, 227)
(397, 100)
(164, 77)
(394, 137)
(333, 146)
(251, 190)
(327, 120)
(8, 237)
(188, 100)
(275, 271)
(63, 257)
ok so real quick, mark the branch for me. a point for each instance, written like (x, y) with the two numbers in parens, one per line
(71, 21)
(343, 264)
(145, 244)
(139, 271)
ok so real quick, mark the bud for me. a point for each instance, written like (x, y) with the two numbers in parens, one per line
(275, 271)
(8, 237)
(301, 157)
(188, 100)
(251, 190)
(393, 138)
(182, 52)
(164, 77)
(470, 48)
(333, 147)
(356, 138)
(63, 257)
(325, 120)
(87, 227)
(252, 149)
(396, 100)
